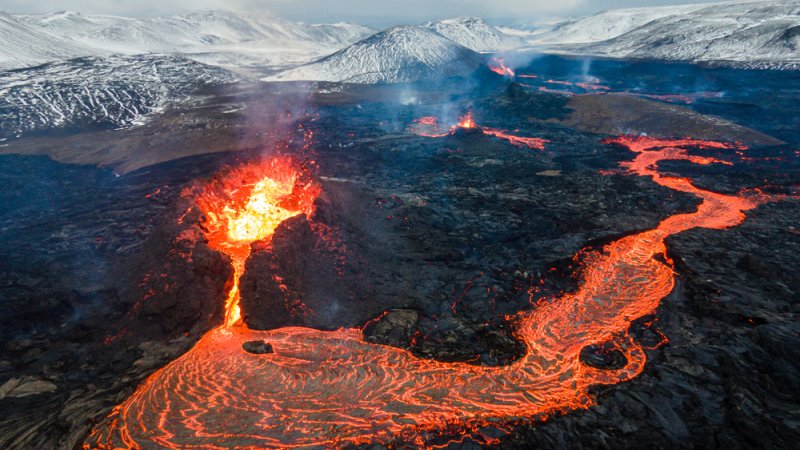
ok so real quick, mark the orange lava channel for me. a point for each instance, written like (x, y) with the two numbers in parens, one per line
(331, 388)
(429, 126)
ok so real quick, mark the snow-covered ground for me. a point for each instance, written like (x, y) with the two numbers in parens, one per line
(743, 34)
(739, 33)
(409, 53)
(475, 34)
(250, 43)
(115, 91)
(397, 55)
(66, 70)
(24, 44)
(607, 24)
(231, 39)
(751, 33)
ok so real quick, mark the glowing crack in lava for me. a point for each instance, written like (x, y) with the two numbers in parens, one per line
(429, 126)
(246, 205)
(332, 388)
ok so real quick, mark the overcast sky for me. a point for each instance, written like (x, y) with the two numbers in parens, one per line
(377, 13)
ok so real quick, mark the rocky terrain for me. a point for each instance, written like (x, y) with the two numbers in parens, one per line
(99, 93)
(426, 243)
(725, 377)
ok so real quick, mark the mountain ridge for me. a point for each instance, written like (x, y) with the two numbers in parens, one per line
(204, 32)
(399, 54)
(742, 34)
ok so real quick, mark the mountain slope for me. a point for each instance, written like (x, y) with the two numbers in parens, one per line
(69, 24)
(98, 92)
(26, 45)
(203, 28)
(753, 34)
(213, 36)
(608, 24)
(397, 55)
(474, 33)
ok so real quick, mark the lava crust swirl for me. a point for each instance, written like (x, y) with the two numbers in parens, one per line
(331, 388)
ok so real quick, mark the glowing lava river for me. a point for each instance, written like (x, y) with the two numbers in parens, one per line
(331, 388)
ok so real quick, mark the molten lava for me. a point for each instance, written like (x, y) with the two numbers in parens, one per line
(427, 120)
(519, 141)
(332, 388)
(429, 126)
(563, 83)
(498, 66)
(466, 121)
(593, 87)
(246, 205)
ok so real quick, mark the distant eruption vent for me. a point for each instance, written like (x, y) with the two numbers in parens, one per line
(467, 121)
(429, 126)
(498, 66)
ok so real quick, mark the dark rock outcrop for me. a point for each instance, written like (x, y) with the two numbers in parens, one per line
(258, 347)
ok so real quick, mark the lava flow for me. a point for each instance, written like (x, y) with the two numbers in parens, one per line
(332, 388)
(429, 126)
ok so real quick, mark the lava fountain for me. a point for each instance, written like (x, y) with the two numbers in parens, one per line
(467, 122)
(498, 66)
(332, 388)
(429, 126)
(245, 205)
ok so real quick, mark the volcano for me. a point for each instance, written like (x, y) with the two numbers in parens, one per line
(447, 249)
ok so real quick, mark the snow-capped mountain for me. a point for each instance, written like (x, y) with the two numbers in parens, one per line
(751, 34)
(70, 24)
(212, 35)
(70, 71)
(24, 44)
(474, 33)
(399, 54)
(98, 92)
(203, 28)
(607, 24)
